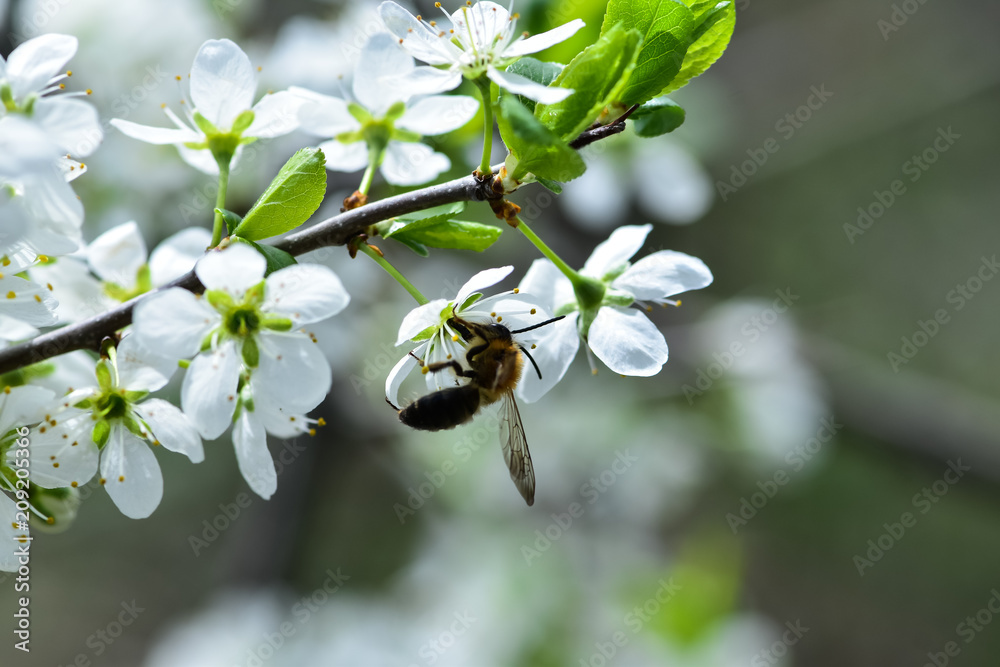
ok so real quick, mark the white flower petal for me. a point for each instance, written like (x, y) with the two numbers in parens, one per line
(141, 368)
(32, 64)
(252, 455)
(178, 254)
(662, 274)
(12, 330)
(208, 395)
(202, 160)
(323, 115)
(418, 40)
(548, 284)
(480, 281)
(280, 423)
(399, 372)
(420, 318)
(174, 322)
(132, 475)
(412, 163)
(58, 461)
(536, 43)
(522, 85)
(345, 157)
(223, 82)
(627, 342)
(27, 301)
(305, 293)
(275, 115)
(611, 255)
(290, 360)
(156, 135)
(485, 21)
(425, 81)
(381, 59)
(71, 123)
(439, 114)
(553, 354)
(233, 270)
(23, 405)
(118, 254)
(171, 428)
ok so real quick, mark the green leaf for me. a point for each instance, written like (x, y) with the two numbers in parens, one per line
(294, 195)
(536, 149)
(438, 233)
(715, 24)
(552, 186)
(657, 117)
(597, 76)
(277, 258)
(231, 219)
(536, 70)
(666, 27)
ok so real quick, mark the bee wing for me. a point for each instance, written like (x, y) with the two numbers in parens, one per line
(515, 448)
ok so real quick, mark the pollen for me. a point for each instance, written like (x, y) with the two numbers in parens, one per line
(6, 390)
(50, 520)
(259, 68)
(438, 5)
(121, 478)
(49, 285)
(177, 77)
(62, 86)
(321, 422)
(419, 17)
(312, 431)
(74, 484)
(75, 443)
(409, 30)
(163, 105)
(533, 311)
(65, 436)
(230, 397)
(534, 345)
(500, 318)
(56, 464)
(424, 370)
(441, 34)
(454, 337)
(448, 357)
(90, 91)
(69, 72)
(11, 295)
(433, 24)
(517, 290)
(102, 481)
(38, 298)
(400, 40)
(41, 429)
(649, 309)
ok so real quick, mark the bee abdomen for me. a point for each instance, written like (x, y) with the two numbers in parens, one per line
(442, 409)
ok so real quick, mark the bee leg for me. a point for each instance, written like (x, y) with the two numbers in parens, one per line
(453, 365)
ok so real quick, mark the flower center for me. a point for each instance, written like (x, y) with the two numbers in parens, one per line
(243, 322)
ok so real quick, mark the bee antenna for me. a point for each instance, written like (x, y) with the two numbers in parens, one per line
(540, 324)
(530, 358)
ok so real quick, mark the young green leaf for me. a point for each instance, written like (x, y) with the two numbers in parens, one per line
(666, 27)
(436, 233)
(294, 195)
(597, 76)
(231, 219)
(534, 147)
(277, 258)
(537, 71)
(715, 24)
(657, 117)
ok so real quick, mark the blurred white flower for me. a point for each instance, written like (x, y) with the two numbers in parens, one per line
(381, 120)
(622, 337)
(246, 355)
(224, 118)
(482, 41)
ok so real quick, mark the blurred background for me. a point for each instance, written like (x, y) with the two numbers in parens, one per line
(811, 480)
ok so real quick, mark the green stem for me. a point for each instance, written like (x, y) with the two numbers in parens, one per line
(484, 90)
(391, 270)
(374, 160)
(547, 251)
(220, 201)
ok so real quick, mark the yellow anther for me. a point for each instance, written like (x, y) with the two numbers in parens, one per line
(102, 481)
(533, 311)
(11, 295)
(69, 72)
(121, 478)
(517, 290)
(50, 520)
(90, 91)
(74, 484)
(62, 86)
(321, 422)
(425, 370)
(38, 298)
(177, 77)
(56, 464)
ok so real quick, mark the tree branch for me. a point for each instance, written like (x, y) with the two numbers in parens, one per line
(337, 230)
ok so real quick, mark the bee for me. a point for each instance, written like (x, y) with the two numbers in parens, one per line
(495, 365)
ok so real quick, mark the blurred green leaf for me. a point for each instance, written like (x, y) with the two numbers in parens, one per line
(294, 195)
(657, 117)
(666, 27)
(535, 148)
(597, 76)
(715, 24)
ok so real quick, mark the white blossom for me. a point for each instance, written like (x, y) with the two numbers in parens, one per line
(481, 41)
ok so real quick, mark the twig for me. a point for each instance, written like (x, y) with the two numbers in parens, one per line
(337, 230)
